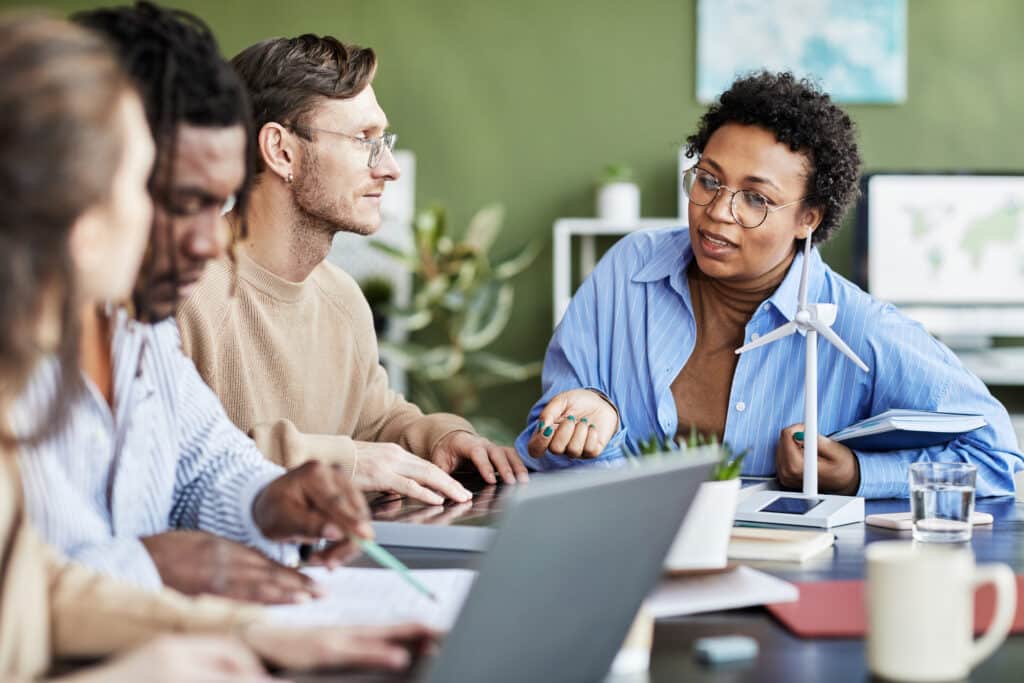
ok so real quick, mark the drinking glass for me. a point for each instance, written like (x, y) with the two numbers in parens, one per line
(942, 501)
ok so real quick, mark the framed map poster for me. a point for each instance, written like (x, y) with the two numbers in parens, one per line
(857, 51)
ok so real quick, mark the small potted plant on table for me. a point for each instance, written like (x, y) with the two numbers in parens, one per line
(703, 539)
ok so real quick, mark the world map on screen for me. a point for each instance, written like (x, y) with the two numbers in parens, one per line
(946, 239)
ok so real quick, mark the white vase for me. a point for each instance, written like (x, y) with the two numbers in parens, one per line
(619, 202)
(703, 538)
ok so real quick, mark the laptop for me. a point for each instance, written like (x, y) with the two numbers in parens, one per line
(573, 556)
(406, 523)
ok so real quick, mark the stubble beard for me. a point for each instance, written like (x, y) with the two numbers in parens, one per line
(318, 216)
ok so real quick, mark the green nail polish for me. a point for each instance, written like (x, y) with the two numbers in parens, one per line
(799, 436)
(583, 420)
(571, 418)
(540, 426)
(548, 431)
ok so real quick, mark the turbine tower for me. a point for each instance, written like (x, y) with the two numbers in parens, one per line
(811, 320)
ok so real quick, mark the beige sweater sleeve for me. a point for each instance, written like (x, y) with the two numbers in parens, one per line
(94, 615)
(284, 444)
(387, 416)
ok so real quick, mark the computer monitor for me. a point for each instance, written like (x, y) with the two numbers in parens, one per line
(947, 248)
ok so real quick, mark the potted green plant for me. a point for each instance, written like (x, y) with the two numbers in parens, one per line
(703, 538)
(461, 303)
(618, 195)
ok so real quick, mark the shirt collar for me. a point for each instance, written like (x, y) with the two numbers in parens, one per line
(672, 260)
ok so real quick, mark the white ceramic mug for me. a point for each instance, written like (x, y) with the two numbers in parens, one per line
(920, 604)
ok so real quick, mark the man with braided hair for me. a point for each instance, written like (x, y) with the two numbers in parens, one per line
(168, 490)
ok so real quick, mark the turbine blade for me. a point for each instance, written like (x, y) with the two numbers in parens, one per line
(836, 341)
(777, 333)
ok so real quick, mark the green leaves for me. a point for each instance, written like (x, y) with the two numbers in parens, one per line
(464, 304)
(486, 315)
(519, 262)
(394, 252)
(484, 228)
(728, 466)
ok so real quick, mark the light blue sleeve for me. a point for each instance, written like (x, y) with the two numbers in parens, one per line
(574, 361)
(912, 370)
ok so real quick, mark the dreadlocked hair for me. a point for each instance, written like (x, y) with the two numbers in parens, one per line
(176, 63)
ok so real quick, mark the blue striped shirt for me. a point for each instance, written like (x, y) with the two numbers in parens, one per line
(630, 329)
(167, 457)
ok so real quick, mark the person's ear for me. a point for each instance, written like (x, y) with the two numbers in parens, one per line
(86, 242)
(278, 150)
(809, 220)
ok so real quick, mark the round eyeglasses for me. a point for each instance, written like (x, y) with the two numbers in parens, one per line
(375, 146)
(748, 208)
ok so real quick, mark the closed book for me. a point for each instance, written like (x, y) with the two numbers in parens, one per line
(899, 429)
(836, 609)
(783, 545)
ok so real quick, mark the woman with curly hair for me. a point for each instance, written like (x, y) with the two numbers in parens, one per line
(647, 345)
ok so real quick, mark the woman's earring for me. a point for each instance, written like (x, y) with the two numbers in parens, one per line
(290, 178)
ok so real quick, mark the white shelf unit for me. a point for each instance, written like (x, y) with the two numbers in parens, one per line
(588, 229)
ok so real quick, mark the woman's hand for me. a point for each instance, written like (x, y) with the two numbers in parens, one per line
(170, 659)
(577, 423)
(361, 647)
(838, 468)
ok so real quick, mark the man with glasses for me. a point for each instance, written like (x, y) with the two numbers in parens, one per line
(647, 347)
(285, 338)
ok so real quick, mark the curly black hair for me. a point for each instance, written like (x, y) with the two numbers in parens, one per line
(803, 117)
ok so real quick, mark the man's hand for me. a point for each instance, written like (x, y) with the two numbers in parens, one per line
(196, 562)
(376, 647)
(389, 467)
(489, 459)
(577, 423)
(838, 468)
(311, 502)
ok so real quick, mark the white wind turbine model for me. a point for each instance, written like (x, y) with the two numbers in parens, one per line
(807, 508)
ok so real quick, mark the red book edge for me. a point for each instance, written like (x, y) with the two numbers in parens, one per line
(835, 609)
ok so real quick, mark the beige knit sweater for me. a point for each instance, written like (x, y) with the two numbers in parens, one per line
(296, 364)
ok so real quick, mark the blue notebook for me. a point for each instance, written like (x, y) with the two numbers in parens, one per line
(900, 429)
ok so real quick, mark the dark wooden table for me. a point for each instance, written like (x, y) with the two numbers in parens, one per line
(784, 657)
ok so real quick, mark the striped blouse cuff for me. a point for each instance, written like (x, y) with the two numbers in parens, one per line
(882, 475)
(285, 553)
(124, 558)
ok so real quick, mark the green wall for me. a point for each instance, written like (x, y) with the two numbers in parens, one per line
(525, 101)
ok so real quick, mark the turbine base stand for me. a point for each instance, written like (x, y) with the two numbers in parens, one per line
(792, 508)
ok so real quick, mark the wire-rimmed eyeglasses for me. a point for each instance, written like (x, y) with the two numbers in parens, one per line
(750, 211)
(375, 146)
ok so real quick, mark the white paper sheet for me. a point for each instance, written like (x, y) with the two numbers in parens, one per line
(741, 587)
(379, 596)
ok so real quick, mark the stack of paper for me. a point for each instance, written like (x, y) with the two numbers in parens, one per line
(786, 545)
(739, 587)
(379, 596)
(899, 429)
